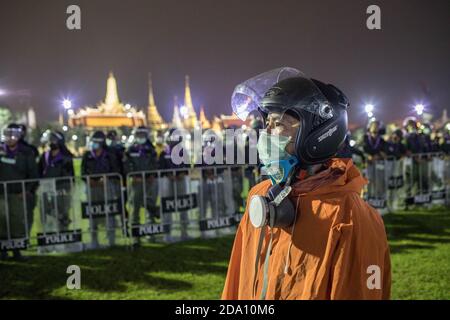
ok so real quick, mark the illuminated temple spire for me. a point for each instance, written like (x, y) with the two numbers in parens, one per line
(176, 120)
(203, 120)
(112, 102)
(112, 97)
(190, 121)
(154, 119)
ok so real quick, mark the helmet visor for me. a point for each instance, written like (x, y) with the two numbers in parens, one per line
(11, 134)
(247, 96)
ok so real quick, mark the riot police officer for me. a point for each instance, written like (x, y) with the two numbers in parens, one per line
(174, 182)
(24, 144)
(100, 160)
(23, 135)
(140, 158)
(16, 163)
(395, 151)
(56, 162)
(374, 146)
(416, 165)
(116, 146)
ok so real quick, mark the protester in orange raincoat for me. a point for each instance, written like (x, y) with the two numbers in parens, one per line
(306, 232)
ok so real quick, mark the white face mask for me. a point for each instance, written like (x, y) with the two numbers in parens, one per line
(272, 147)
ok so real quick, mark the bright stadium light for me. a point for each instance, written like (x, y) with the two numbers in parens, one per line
(419, 109)
(369, 108)
(370, 114)
(67, 104)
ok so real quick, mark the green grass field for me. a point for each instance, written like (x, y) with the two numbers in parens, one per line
(420, 245)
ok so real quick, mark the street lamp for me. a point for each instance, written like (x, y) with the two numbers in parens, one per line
(67, 104)
(419, 109)
(369, 109)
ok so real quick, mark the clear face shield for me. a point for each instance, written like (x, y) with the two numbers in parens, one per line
(247, 97)
(141, 136)
(45, 137)
(11, 136)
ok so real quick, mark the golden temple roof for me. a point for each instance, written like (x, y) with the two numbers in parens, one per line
(109, 113)
(190, 120)
(154, 119)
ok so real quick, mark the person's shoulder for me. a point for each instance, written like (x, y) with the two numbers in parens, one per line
(26, 150)
(87, 155)
(111, 153)
(131, 148)
(360, 210)
(260, 188)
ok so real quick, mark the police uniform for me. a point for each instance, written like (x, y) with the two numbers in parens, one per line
(416, 166)
(56, 200)
(374, 146)
(105, 163)
(18, 164)
(213, 195)
(395, 152)
(140, 158)
(172, 183)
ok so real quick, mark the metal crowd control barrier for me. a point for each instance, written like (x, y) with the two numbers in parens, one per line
(77, 213)
(397, 183)
(178, 204)
(72, 213)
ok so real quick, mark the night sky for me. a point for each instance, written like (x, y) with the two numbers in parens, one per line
(221, 43)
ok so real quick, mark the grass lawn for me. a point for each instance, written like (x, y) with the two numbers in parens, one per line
(420, 245)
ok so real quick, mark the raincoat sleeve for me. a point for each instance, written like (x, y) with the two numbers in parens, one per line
(231, 288)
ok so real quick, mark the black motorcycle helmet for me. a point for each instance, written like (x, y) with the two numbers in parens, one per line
(56, 138)
(99, 137)
(322, 111)
(112, 135)
(22, 128)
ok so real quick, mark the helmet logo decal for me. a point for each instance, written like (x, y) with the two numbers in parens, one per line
(327, 134)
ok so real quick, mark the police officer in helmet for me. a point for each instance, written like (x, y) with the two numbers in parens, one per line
(307, 224)
(16, 163)
(140, 158)
(100, 160)
(56, 162)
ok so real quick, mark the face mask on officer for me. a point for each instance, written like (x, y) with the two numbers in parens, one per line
(94, 146)
(53, 145)
(141, 139)
(109, 142)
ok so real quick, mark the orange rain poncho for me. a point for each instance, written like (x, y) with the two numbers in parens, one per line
(336, 239)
